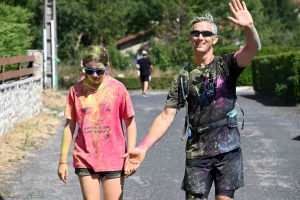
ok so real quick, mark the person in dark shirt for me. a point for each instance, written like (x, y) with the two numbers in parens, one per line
(145, 66)
(206, 87)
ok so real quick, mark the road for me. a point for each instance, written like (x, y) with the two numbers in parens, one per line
(270, 143)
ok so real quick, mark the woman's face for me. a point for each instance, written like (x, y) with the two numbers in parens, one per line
(95, 71)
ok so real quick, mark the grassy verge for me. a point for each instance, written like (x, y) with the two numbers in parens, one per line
(29, 134)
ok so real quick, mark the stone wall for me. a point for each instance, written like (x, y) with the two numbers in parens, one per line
(21, 100)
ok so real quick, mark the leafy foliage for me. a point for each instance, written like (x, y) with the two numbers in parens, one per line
(278, 76)
(85, 22)
(15, 30)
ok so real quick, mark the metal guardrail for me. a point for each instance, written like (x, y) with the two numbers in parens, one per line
(20, 72)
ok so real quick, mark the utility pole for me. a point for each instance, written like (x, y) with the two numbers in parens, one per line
(50, 45)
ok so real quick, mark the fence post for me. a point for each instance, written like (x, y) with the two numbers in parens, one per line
(3, 71)
(19, 68)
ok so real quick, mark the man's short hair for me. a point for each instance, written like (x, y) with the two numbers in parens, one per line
(204, 18)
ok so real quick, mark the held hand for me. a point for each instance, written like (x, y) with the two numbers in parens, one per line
(133, 160)
(242, 16)
(129, 168)
(63, 172)
(136, 155)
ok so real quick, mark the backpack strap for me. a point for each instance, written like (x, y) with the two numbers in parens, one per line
(232, 88)
(187, 126)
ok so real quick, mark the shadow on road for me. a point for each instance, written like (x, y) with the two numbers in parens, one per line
(297, 138)
(266, 101)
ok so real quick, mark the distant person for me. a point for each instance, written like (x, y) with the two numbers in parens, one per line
(145, 66)
(206, 87)
(98, 104)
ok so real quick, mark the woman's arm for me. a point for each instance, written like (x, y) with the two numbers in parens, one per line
(65, 146)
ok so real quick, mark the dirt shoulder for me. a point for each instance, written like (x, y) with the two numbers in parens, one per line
(30, 134)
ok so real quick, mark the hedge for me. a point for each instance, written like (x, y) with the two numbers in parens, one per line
(278, 76)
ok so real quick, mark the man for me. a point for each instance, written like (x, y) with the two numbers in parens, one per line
(145, 66)
(213, 151)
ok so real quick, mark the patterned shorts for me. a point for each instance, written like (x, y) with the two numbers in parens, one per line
(225, 170)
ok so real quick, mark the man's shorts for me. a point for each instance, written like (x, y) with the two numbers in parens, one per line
(225, 170)
(107, 175)
(144, 78)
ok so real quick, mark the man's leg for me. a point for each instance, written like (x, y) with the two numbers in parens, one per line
(145, 87)
(225, 195)
(228, 174)
(143, 83)
(198, 178)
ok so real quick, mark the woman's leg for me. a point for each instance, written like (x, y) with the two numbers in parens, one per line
(113, 188)
(90, 186)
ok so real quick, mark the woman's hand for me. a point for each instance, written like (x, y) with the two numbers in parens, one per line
(63, 172)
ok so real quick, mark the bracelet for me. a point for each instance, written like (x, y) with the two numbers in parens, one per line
(62, 163)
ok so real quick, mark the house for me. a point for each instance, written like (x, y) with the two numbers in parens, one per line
(132, 43)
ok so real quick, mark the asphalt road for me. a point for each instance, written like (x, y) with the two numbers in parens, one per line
(270, 143)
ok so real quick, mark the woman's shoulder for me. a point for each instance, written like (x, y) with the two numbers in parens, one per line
(115, 82)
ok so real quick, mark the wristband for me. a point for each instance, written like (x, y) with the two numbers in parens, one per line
(62, 163)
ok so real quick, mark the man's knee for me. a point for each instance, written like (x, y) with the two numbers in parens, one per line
(225, 193)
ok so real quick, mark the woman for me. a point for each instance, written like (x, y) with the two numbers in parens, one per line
(98, 104)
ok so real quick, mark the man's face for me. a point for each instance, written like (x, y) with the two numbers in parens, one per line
(203, 42)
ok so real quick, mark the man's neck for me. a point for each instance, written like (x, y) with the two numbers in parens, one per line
(203, 60)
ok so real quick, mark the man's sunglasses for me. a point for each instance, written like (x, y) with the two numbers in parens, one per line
(99, 72)
(196, 33)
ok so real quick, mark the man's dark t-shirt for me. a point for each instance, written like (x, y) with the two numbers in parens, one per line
(144, 66)
(209, 100)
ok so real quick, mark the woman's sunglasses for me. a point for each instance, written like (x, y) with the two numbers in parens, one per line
(196, 33)
(99, 72)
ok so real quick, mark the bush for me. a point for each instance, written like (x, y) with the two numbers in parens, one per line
(155, 83)
(15, 34)
(117, 59)
(278, 76)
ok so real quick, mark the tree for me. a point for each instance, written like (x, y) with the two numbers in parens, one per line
(15, 30)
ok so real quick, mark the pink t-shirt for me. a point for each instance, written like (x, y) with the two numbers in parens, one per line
(100, 141)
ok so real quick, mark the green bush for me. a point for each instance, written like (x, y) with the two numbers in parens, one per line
(117, 59)
(15, 34)
(278, 76)
(67, 76)
(161, 55)
(155, 83)
(246, 77)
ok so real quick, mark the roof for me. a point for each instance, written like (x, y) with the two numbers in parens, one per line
(296, 1)
(132, 37)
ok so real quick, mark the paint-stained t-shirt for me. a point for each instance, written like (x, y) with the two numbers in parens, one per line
(100, 141)
(209, 98)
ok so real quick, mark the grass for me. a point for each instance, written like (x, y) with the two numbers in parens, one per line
(29, 134)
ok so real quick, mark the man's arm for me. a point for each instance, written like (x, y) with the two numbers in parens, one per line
(244, 19)
(151, 67)
(159, 127)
